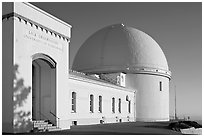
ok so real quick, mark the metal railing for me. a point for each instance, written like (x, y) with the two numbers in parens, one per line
(55, 117)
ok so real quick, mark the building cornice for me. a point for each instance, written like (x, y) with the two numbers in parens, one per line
(87, 80)
(35, 25)
(130, 69)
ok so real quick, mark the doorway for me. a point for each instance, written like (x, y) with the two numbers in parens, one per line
(43, 89)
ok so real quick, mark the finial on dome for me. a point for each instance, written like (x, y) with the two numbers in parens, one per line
(118, 25)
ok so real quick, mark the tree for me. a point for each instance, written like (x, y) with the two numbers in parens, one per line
(21, 122)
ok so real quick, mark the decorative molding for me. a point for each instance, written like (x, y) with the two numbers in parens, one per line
(149, 70)
(49, 60)
(130, 69)
(35, 25)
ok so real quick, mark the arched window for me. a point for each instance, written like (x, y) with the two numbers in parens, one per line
(73, 101)
(113, 105)
(119, 105)
(91, 103)
(129, 106)
(100, 104)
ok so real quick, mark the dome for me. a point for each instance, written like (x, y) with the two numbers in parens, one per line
(119, 48)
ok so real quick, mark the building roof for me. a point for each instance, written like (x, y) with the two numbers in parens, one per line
(119, 48)
(91, 79)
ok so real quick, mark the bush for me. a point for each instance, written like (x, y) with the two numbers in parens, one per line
(192, 124)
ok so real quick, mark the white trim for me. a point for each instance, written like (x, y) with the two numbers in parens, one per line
(78, 78)
(31, 12)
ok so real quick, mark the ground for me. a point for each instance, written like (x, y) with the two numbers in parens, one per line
(127, 128)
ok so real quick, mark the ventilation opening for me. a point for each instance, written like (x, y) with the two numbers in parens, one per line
(116, 119)
(101, 122)
(128, 118)
(74, 123)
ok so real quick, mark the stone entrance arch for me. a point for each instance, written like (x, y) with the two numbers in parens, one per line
(43, 88)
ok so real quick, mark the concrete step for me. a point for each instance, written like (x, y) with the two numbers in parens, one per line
(41, 128)
(54, 129)
(44, 125)
(38, 121)
(41, 123)
(47, 125)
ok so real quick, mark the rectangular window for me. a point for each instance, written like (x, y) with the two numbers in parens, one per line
(91, 103)
(113, 105)
(100, 104)
(73, 101)
(160, 86)
(119, 105)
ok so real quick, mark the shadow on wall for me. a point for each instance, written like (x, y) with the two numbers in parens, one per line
(22, 121)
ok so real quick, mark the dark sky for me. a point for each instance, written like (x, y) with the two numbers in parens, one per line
(177, 28)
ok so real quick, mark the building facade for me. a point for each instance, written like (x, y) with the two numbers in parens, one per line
(38, 86)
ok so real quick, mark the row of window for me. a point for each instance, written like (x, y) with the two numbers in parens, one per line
(91, 99)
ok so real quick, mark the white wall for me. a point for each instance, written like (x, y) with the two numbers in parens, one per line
(27, 38)
(25, 34)
(152, 104)
(84, 88)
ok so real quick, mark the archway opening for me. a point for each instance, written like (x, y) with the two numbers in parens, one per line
(43, 90)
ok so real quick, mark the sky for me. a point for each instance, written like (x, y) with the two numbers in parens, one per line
(177, 28)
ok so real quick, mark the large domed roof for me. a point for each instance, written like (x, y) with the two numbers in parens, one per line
(119, 48)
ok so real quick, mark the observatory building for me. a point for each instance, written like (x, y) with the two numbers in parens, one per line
(122, 49)
(119, 74)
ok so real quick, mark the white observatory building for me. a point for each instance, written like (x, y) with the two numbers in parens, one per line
(119, 48)
(120, 74)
